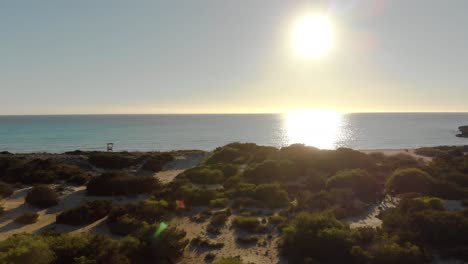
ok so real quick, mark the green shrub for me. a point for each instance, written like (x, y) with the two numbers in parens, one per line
(246, 222)
(391, 252)
(429, 152)
(362, 184)
(79, 179)
(399, 161)
(85, 213)
(206, 243)
(228, 261)
(248, 239)
(124, 224)
(271, 171)
(409, 180)
(38, 171)
(42, 197)
(160, 244)
(220, 202)
(458, 178)
(232, 182)
(318, 236)
(26, 249)
(204, 175)
(228, 170)
(114, 161)
(219, 219)
(225, 155)
(155, 163)
(5, 190)
(120, 183)
(66, 171)
(271, 195)
(125, 219)
(86, 248)
(194, 196)
(27, 218)
(277, 220)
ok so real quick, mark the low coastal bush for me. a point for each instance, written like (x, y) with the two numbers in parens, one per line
(409, 180)
(271, 171)
(429, 152)
(120, 183)
(26, 249)
(277, 220)
(219, 219)
(270, 195)
(37, 171)
(125, 219)
(246, 222)
(79, 179)
(195, 196)
(358, 180)
(205, 243)
(156, 162)
(228, 261)
(151, 244)
(113, 161)
(159, 244)
(226, 155)
(218, 203)
(317, 236)
(5, 190)
(42, 197)
(27, 218)
(204, 175)
(125, 224)
(85, 213)
(248, 239)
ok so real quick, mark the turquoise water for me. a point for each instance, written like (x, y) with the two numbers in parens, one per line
(169, 132)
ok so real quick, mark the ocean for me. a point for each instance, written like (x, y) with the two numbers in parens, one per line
(58, 134)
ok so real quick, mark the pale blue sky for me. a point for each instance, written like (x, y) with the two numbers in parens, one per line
(206, 56)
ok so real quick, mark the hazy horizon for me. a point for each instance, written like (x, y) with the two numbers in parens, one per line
(215, 57)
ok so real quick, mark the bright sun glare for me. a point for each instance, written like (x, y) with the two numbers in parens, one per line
(316, 128)
(313, 35)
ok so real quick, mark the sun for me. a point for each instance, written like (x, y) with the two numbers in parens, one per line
(313, 35)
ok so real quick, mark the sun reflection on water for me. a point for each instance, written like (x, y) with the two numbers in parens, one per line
(321, 129)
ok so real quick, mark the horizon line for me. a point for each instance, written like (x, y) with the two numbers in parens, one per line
(239, 113)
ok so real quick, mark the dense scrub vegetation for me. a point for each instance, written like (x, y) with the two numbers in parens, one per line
(321, 238)
(120, 183)
(330, 186)
(156, 162)
(114, 161)
(302, 194)
(26, 218)
(85, 213)
(42, 197)
(18, 169)
(143, 247)
(5, 190)
(126, 219)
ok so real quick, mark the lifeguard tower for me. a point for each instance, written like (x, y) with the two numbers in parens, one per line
(110, 147)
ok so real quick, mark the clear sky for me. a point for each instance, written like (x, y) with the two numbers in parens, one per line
(230, 56)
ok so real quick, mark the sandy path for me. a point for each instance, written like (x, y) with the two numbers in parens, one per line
(248, 253)
(179, 165)
(370, 218)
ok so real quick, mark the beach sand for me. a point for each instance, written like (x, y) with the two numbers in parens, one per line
(390, 152)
